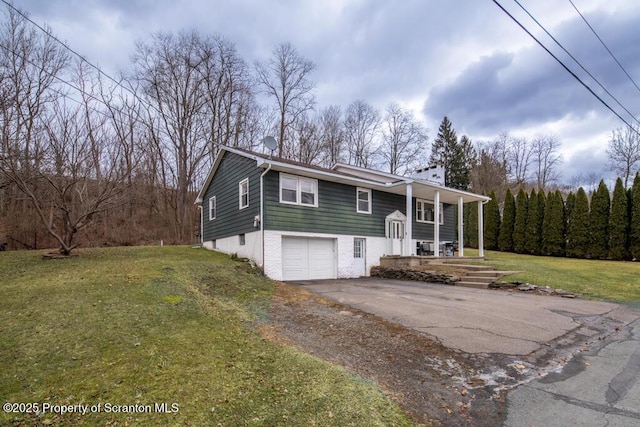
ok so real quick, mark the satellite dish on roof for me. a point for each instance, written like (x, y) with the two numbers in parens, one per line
(271, 143)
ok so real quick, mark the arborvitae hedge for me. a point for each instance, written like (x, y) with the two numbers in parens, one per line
(534, 242)
(491, 223)
(520, 225)
(505, 242)
(619, 224)
(599, 222)
(578, 227)
(553, 229)
(532, 222)
(634, 229)
(471, 225)
(569, 204)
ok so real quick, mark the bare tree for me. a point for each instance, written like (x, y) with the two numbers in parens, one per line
(519, 156)
(361, 126)
(331, 135)
(79, 174)
(624, 152)
(546, 159)
(285, 77)
(305, 145)
(404, 138)
(170, 71)
(490, 171)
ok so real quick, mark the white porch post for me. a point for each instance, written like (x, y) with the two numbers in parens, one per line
(436, 224)
(480, 229)
(460, 227)
(409, 249)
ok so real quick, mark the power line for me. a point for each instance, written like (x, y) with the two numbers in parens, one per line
(562, 64)
(604, 45)
(576, 61)
(82, 58)
(73, 86)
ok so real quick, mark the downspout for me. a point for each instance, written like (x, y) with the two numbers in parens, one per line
(201, 225)
(262, 209)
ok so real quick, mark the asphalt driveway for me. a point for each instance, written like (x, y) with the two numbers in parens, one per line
(590, 350)
(471, 320)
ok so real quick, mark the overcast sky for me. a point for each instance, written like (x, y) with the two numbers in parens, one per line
(462, 58)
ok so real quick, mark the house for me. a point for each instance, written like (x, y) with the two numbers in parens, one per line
(305, 222)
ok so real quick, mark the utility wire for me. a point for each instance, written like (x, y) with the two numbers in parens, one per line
(576, 61)
(82, 58)
(72, 85)
(563, 65)
(604, 45)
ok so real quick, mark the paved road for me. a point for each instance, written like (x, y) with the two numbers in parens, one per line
(597, 385)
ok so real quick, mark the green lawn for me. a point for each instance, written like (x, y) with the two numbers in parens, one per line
(140, 326)
(606, 280)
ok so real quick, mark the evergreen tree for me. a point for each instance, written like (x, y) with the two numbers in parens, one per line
(634, 229)
(569, 204)
(578, 227)
(457, 157)
(619, 224)
(471, 225)
(536, 242)
(491, 223)
(531, 223)
(505, 240)
(599, 222)
(520, 225)
(553, 228)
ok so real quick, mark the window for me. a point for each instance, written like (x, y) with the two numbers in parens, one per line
(363, 200)
(212, 208)
(241, 239)
(425, 211)
(243, 191)
(298, 191)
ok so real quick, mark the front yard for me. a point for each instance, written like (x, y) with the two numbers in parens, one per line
(607, 280)
(160, 336)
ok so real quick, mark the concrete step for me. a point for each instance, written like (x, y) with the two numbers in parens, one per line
(487, 273)
(470, 267)
(473, 285)
(479, 279)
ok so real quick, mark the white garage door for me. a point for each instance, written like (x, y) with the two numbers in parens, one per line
(308, 258)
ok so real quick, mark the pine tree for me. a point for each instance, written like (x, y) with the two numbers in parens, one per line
(578, 227)
(619, 224)
(457, 157)
(634, 229)
(531, 223)
(553, 228)
(520, 225)
(505, 241)
(599, 222)
(491, 223)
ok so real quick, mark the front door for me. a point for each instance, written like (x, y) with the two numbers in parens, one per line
(397, 237)
(359, 257)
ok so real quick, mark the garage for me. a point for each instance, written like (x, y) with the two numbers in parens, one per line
(305, 258)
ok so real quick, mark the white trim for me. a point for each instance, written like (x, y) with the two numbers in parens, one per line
(431, 202)
(299, 180)
(460, 227)
(240, 205)
(437, 212)
(369, 202)
(213, 207)
(408, 249)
